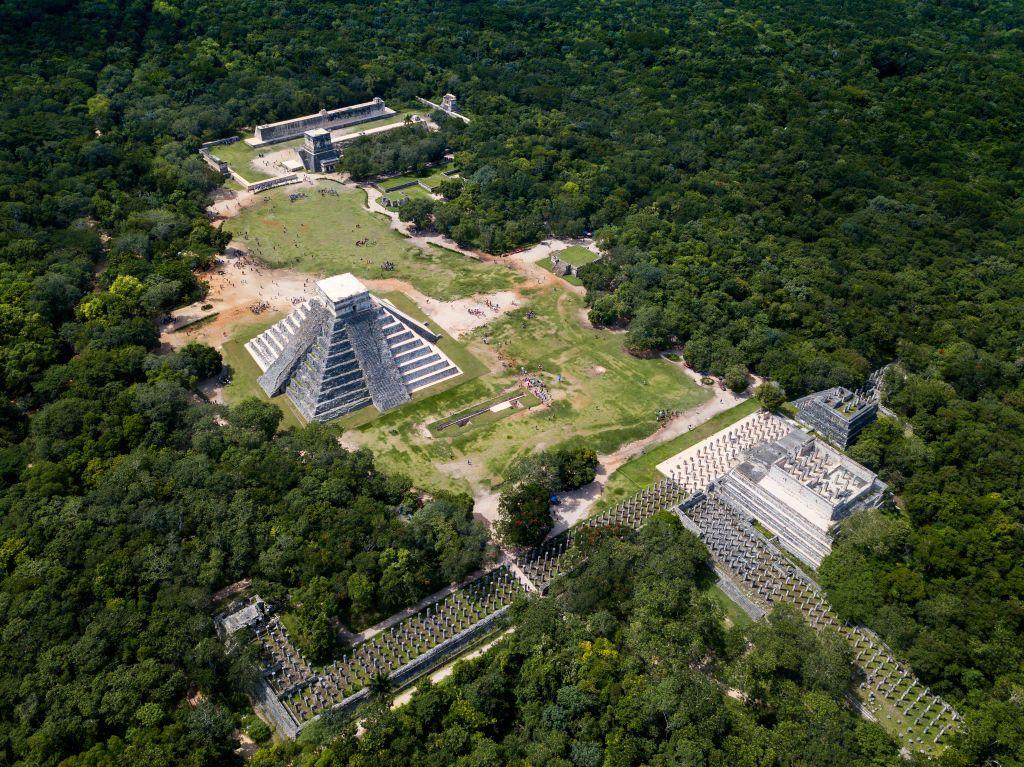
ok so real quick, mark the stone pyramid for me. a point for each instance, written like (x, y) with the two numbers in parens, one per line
(345, 349)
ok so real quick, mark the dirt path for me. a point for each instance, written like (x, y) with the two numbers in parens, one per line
(576, 505)
(523, 261)
(237, 283)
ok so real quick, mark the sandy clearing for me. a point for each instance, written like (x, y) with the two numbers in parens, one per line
(457, 317)
(237, 283)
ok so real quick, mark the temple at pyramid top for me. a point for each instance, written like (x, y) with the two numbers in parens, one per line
(345, 349)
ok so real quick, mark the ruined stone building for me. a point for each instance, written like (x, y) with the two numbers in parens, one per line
(837, 414)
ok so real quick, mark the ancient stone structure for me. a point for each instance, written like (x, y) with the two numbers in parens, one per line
(325, 119)
(837, 414)
(560, 267)
(889, 689)
(796, 486)
(317, 152)
(449, 103)
(800, 488)
(346, 349)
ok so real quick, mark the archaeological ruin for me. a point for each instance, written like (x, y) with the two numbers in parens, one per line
(325, 119)
(837, 414)
(796, 486)
(345, 349)
(317, 152)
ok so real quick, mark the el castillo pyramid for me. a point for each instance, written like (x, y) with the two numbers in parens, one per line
(345, 349)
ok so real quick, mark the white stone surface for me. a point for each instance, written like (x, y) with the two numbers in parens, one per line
(341, 286)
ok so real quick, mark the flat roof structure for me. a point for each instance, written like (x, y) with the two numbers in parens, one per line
(795, 485)
(341, 286)
(838, 414)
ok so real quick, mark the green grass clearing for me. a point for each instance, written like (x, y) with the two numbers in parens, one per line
(414, 192)
(733, 615)
(481, 414)
(319, 235)
(240, 157)
(577, 255)
(431, 180)
(392, 120)
(545, 263)
(604, 397)
(638, 473)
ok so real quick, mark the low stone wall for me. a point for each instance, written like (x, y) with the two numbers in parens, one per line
(215, 163)
(284, 723)
(221, 142)
(270, 183)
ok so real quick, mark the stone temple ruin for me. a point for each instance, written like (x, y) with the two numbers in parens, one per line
(325, 119)
(796, 486)
(345, 349)
(318, 153)
(800, 488)
(754, 571)
(838, 414)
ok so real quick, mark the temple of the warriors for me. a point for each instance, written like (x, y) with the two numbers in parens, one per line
(325, 119)
(345, 349)
(796, 486)
(837, 414)
(800, 488)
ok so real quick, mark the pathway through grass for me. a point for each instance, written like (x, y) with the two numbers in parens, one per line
(328, 234)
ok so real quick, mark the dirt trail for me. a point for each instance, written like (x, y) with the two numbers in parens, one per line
(523, 261)
(576, 505)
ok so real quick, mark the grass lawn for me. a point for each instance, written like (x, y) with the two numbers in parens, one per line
(545, 263)
(245, 371)
(414, 192)
(482, 414)
(392, 120)
(240, 156)
(319, 235)
(604, 397)
(733, 613)
(577, 255)
(432, 180)
(640, 472)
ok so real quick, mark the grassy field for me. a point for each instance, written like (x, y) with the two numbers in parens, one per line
(432, 179)
(319, 235)
(415, 192)
(395, 118)
(245, 371)
(240, 156)
(733, 613)
(577, 255)
(640, 472)
(601, 395)
(483, 414)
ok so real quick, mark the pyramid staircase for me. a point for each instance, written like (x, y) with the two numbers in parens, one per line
(330, 362)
